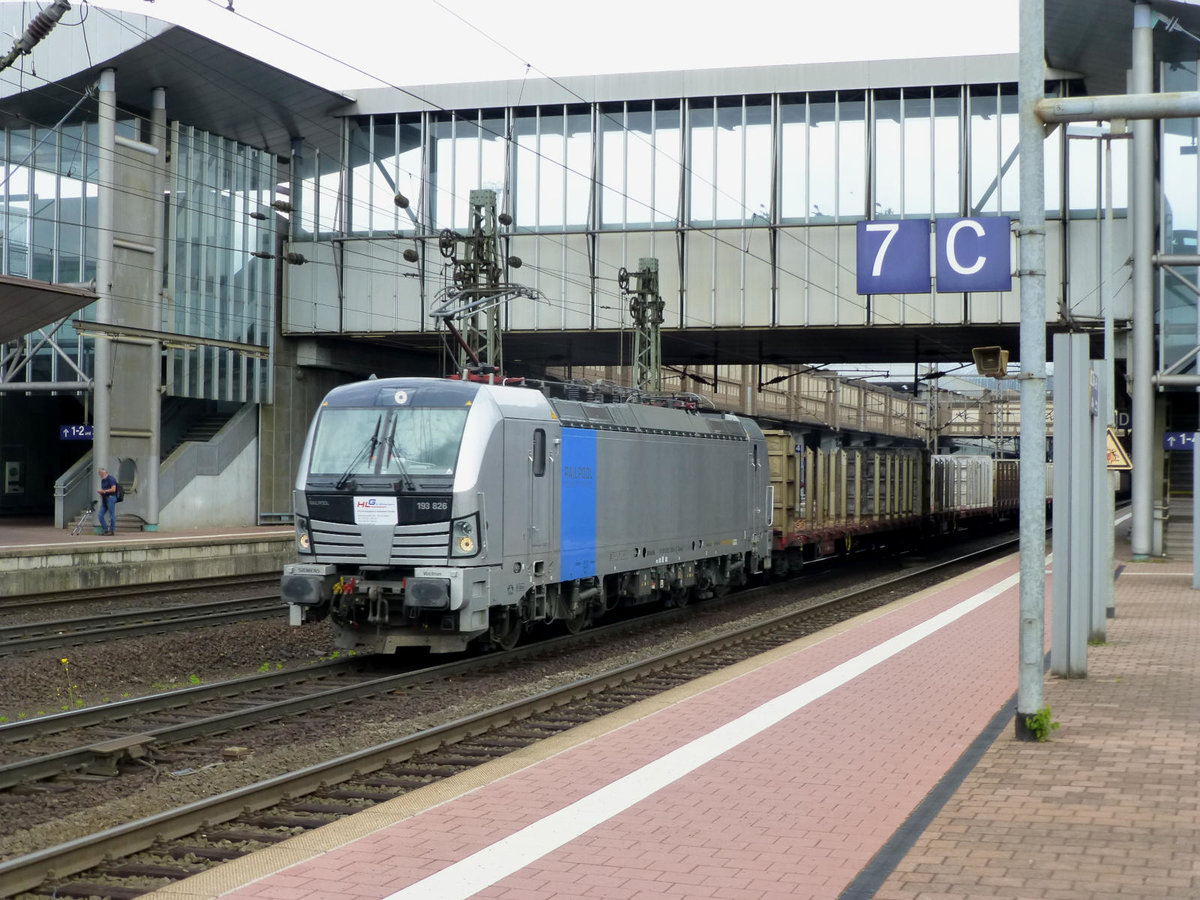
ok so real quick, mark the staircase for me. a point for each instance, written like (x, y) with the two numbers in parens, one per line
(1178, 533)
(204, 429)
(191, 446)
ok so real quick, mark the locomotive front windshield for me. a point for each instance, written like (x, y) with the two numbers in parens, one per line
(400, 442)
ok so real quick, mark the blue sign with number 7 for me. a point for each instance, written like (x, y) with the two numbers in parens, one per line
(893, 257)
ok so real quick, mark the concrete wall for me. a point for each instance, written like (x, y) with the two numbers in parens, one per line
(223, 499)
(156, 559)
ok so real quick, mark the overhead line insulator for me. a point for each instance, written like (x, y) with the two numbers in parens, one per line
(40, 26)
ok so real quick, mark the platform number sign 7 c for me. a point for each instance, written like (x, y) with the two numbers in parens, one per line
(973, 254)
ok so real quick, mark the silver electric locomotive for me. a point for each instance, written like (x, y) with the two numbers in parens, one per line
(437, 513)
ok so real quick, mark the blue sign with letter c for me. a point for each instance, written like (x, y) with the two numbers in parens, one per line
(974, 254)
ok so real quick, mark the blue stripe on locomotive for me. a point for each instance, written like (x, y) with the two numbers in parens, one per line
(578, 503)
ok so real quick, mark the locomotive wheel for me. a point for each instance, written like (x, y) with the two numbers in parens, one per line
(505, 632)
(578, 620)
(679, 596)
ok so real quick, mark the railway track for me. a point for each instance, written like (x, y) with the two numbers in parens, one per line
(144, 855)
(159, 721)
(101, 595)
(107, 626)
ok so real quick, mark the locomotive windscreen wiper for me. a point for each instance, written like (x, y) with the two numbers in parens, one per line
(393, 453)
(367, 448)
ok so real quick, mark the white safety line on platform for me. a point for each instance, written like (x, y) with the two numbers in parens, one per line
(486, 867)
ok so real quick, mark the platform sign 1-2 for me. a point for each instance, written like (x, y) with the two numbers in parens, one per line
(1179, 440)
(75, 432)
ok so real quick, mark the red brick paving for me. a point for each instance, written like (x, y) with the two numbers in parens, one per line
(796, 810)
(1110, 807)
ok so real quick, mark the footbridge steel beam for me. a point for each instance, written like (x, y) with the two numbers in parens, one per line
(1177, 105)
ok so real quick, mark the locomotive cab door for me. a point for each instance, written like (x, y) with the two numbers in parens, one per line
(529, 461)
(541, 491)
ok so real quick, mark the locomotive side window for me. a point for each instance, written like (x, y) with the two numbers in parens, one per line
(539, 452)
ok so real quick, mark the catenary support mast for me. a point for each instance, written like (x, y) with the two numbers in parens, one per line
(1033, 368)
(646, 307)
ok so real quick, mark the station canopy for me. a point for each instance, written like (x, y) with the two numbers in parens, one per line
(1094, 38)
(27, 305)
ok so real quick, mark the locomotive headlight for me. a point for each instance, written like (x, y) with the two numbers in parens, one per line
(303, 537)
(463, 536)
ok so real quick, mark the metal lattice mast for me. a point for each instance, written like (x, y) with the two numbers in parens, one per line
(471, 307)
(646, 307)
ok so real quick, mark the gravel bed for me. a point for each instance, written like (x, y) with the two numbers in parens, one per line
(39, 816)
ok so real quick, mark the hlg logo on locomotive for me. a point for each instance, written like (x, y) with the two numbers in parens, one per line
(365, 502)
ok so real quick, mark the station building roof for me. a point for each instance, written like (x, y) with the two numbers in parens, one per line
(222, 90)
(209, 86)
(1094, 38)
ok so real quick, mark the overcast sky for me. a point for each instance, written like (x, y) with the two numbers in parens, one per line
(406, 42)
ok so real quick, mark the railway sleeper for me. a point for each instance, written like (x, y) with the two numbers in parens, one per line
(148, 870)
(234, 836)
(88, 889)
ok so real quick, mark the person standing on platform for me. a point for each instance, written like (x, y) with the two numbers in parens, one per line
(108, 502)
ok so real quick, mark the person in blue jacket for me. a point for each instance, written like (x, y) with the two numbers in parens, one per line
(108, 502)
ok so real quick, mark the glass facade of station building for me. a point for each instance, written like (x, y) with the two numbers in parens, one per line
(212, 284)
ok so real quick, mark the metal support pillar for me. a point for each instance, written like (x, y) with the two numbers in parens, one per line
(1033, 368)
(102, 376)
(1102, 510)
(158, 138)
(1195, 515)
(1142, 215)
(1109, 401)
(1072, 506)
